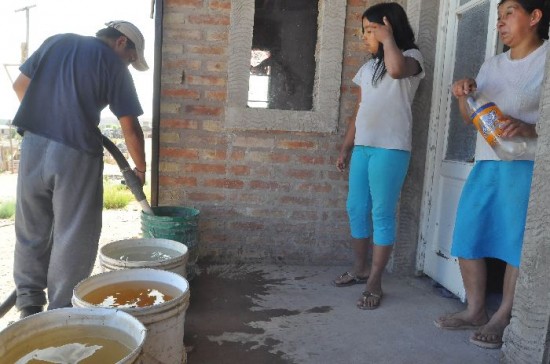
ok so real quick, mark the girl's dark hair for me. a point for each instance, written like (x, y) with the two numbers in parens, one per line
(402, 32)
(530, 6)
(112, 33)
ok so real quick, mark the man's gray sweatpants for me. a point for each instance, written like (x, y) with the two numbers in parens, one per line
(57, 220)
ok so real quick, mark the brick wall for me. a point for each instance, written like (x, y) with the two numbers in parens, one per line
(263, 195)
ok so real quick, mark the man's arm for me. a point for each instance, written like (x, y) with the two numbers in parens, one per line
(133, 136)
(20, 86)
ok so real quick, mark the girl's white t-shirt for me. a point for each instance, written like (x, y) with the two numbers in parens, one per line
(515, 86)
(384, 117)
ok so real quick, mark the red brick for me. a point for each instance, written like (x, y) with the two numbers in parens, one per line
(280, 158)
(182, 34)
(212, 125)
(237, 155)
(336, 175)
(184, 93)
(205, 139)
(292, 200)
(246, 198)
(252, 142)
(216, 66)
(300, 173)
(175, 123)
(224, 183)
(296, 144)
(240, 170)
(315, 187)
(179, 153)
(203, 196)
(220, 5)
(178, 64)
(311, 159)
(304, 216)
(204, 168)
(203, 110)
(213, 236)
(214, 154)
(205, 80)
(217, 36)
(263, 185)
(193, 3)
(209, 19)
(215, 95)
(178, 181)
(206, 50)
(261, 172)
(247, 226)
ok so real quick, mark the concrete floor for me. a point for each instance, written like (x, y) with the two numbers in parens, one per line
(292, 314)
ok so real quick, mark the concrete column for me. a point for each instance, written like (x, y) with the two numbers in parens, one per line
(527, 339)
(423, 16)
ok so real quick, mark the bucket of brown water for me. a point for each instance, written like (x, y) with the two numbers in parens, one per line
(157, 298)
(163, 254)
(74, 335)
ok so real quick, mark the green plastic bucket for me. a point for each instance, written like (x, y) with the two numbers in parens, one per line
(175, 223)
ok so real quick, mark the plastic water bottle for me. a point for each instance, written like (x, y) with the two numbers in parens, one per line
(487, 119)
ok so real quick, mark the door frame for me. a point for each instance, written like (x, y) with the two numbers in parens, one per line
(441, 103)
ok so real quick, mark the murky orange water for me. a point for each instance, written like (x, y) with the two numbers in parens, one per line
(130, 294)
(73, 344)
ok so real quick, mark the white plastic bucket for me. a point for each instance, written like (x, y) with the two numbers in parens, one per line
(110, 255)
(164, 322)
(114, 325)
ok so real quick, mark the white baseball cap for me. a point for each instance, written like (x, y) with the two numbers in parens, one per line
(133, 33)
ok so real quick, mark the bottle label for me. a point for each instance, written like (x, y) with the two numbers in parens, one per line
(487, 121)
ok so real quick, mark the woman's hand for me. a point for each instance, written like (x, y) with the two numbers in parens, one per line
(342, 161)
(464, 87)
(512, 127)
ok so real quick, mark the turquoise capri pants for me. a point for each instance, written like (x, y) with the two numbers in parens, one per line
(375, 180)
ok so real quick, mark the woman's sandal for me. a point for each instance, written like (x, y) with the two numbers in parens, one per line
(347, 279)
(375, 301)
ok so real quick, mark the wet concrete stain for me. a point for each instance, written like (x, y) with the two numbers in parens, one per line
(221, 303)
(320, 309)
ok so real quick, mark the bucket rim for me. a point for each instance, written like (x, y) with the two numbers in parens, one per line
(77, 316)
(194, 211)
(145, 275)
(176, 245)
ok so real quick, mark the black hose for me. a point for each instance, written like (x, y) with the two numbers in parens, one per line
(8, 304)
(133, 183)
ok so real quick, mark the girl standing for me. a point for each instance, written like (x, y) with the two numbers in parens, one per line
(380, 143)
(493, 206)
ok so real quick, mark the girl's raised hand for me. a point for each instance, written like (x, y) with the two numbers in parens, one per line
(382, 33)
(464, 87)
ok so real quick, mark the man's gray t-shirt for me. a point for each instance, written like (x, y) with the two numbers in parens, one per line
(73, 78)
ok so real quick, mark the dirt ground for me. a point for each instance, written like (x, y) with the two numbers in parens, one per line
(117, 225)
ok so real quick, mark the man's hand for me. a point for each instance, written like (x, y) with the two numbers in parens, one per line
(140, 175)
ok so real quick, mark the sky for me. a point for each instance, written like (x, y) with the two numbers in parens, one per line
(51, 17)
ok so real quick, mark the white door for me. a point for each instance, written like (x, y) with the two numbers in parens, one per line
(467, 37)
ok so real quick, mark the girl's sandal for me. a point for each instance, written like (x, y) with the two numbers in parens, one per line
(367, 297)
(347, 279)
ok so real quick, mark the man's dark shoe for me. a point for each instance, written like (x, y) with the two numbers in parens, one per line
(30, 310)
